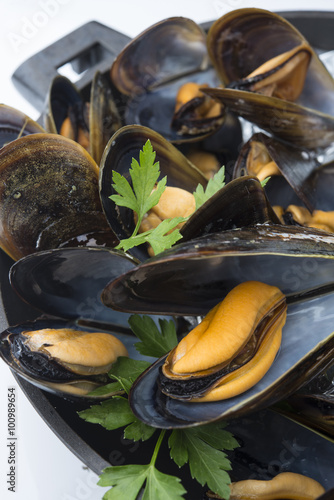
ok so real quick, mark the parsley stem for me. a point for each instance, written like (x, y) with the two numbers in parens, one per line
(136, 229)
(157, 447)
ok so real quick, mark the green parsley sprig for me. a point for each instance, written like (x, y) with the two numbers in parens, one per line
(145, 193)
(201, 447)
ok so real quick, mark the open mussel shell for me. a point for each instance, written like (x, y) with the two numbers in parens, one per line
(14, 124)
(168, 49)
(304, 352)
(295, 165)
(48, 372)
(240, 203)
(47, 180)
(63, 95)
(67, 282)
(262, 35)
(244, 39)
(99, 118)
(122, 147)
(290, 122)
(151, 69)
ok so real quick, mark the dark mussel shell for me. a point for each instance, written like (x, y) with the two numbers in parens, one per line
(240, 203)
(313, 404)
(302, 127)
(296, 166)
(99, 118)
(45, 372)
(122, 147)
(63, 96)
(151, 69)
(67, 282)
(244, 39)
(14, 124)
(192, 277)
(198, 274)
(49, 186)
(168, 49)
(292, 448)
(304, 352)
(104, 117)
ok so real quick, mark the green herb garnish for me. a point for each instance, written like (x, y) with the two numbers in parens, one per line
(264, 182)
(201, 447)
(145, 193)
(214, 185)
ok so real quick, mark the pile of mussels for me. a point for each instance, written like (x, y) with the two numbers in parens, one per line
(60, 226)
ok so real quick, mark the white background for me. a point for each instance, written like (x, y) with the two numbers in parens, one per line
(46, 468)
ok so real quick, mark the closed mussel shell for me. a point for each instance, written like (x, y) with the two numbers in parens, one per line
(45, 180)
(199, 273)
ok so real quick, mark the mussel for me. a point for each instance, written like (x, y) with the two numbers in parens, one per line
(66, 283)
(92, 123)
(153, 67)
(49, 195)
(291, 170)
(287, 485)
(60, 357)
(199, 273)
(263, 36)
(231, 349)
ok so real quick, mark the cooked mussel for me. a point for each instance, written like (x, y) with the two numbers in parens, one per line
(288, 485)
(261, 36)
(151, 70)
(61, 357)
(92, 123)
(49, 194)
(197, 274)
(291, 169)
(231, 349)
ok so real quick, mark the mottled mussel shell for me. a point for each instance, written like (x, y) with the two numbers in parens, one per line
(49, 194)
(14, 124)
(240, 42)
